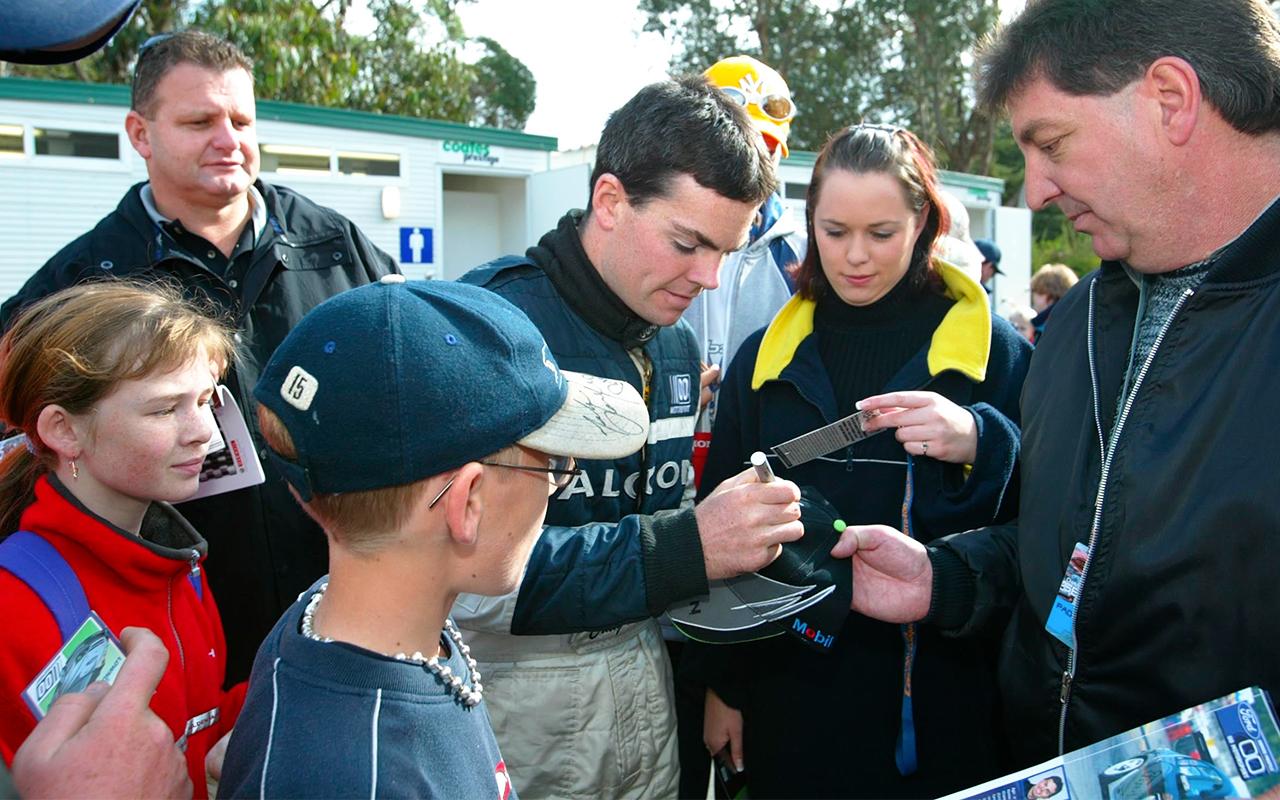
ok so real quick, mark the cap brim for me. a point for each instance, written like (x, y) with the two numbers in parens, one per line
(600, 418)
(59, 33)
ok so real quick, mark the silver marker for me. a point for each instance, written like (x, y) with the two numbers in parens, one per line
(761, 462)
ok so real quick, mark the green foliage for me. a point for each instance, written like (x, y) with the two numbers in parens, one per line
(504, 91)
(1054, 240)
(411, 64)
(898, 61)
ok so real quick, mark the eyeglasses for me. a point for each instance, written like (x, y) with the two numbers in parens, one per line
(563, 469)
(777, 107)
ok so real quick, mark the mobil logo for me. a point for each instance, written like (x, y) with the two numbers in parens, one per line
(814, 635)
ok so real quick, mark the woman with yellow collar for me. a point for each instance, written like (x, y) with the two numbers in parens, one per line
(878, 323)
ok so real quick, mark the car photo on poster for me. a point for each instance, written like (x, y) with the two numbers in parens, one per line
(1163, 773)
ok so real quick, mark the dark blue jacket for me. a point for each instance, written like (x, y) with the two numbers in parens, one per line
(778, 388)
(614, 548)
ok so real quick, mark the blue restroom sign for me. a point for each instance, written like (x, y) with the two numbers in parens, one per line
(415, 246)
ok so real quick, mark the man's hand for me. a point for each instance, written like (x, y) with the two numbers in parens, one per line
(721, 727)
(892, 576)
(710, 375)
(744, 522)
(105, 741)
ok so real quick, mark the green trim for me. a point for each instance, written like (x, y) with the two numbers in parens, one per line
(43, 91)
(981, 187)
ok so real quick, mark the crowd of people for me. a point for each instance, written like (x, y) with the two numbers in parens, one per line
(481, 496)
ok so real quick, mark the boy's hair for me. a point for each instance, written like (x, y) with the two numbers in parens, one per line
(1098, 47)
(684, 127)
(362, 522)
(163, 52)
(1054, 280)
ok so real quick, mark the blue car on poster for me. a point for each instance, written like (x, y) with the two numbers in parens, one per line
(1163, 773)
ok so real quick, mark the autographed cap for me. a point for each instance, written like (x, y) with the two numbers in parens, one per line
(396, 381)
(59, 31)
(805, 592)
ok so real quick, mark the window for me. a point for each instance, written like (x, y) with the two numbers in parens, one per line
(288, 158)
(77, 144)
(10, 140)
(796, 191)
(383, 164)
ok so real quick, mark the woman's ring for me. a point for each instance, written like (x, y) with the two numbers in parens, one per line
(924, 448)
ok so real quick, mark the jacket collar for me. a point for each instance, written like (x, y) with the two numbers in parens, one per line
(165, 549)
(962, 341)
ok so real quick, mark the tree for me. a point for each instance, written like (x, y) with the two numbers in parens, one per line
(897, 61)
(411, 64)
(504, 91)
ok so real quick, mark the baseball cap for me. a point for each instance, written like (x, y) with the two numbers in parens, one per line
(990, 252)
(804, 592)
(59, 31)
(397, 381)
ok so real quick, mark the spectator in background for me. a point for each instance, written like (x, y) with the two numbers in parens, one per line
(991, 256)
(1049, 285)
(263, 254)
(1020, 317)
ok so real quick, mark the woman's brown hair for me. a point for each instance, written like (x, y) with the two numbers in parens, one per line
(73, 347)
(861, 149)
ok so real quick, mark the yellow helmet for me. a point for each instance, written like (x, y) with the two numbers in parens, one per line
(762, 91)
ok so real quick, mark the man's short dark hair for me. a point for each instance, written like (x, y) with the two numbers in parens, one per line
(163, 52)
(684, 127)
(1097, 47)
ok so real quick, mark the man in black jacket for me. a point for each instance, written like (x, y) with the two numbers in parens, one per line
(264, 255)
(1141, 575)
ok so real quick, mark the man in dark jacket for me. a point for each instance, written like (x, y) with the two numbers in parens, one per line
(1149, 441)
(678, 177)
(263, 255)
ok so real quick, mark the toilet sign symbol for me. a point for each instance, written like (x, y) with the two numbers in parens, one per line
(415, 245)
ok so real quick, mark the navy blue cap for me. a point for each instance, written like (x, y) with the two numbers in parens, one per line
(990, 252)
(59, 31)
(397, 381)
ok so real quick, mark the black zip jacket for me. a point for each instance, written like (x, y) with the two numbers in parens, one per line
(1180, 592)
(265, 549)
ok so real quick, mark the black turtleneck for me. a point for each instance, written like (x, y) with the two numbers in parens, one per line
(559, 252)
(862, 347)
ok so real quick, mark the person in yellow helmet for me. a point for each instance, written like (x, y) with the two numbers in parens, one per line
(754, 284)
(754, 281)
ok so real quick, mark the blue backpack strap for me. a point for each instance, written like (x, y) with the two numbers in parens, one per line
(40, 566)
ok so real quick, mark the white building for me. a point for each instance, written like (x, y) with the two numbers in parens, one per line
(439, 196)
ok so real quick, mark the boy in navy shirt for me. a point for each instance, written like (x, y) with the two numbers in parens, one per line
(423, 426)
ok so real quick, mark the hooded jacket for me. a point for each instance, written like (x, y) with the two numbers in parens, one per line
(778, 388)
(153, 582)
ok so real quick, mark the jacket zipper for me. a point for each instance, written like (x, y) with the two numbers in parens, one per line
(182, 659)
(1108, 455)
(645, 367)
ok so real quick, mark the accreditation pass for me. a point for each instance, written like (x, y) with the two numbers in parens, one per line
(1062, 617)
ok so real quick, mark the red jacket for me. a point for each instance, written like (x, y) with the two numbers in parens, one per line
(127, 581)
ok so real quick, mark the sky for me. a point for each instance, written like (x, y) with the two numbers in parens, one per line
(587, 56)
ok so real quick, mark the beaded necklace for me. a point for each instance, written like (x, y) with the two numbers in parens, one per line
(469, 696)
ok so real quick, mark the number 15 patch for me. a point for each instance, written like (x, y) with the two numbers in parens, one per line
(1062, 617)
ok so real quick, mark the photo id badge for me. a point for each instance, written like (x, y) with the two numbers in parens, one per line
(1062, 617)
(91, 654)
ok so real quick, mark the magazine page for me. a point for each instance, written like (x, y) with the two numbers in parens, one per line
(1223, 748)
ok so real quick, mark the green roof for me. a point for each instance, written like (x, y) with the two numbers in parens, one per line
(978, 185)
(43, 91)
